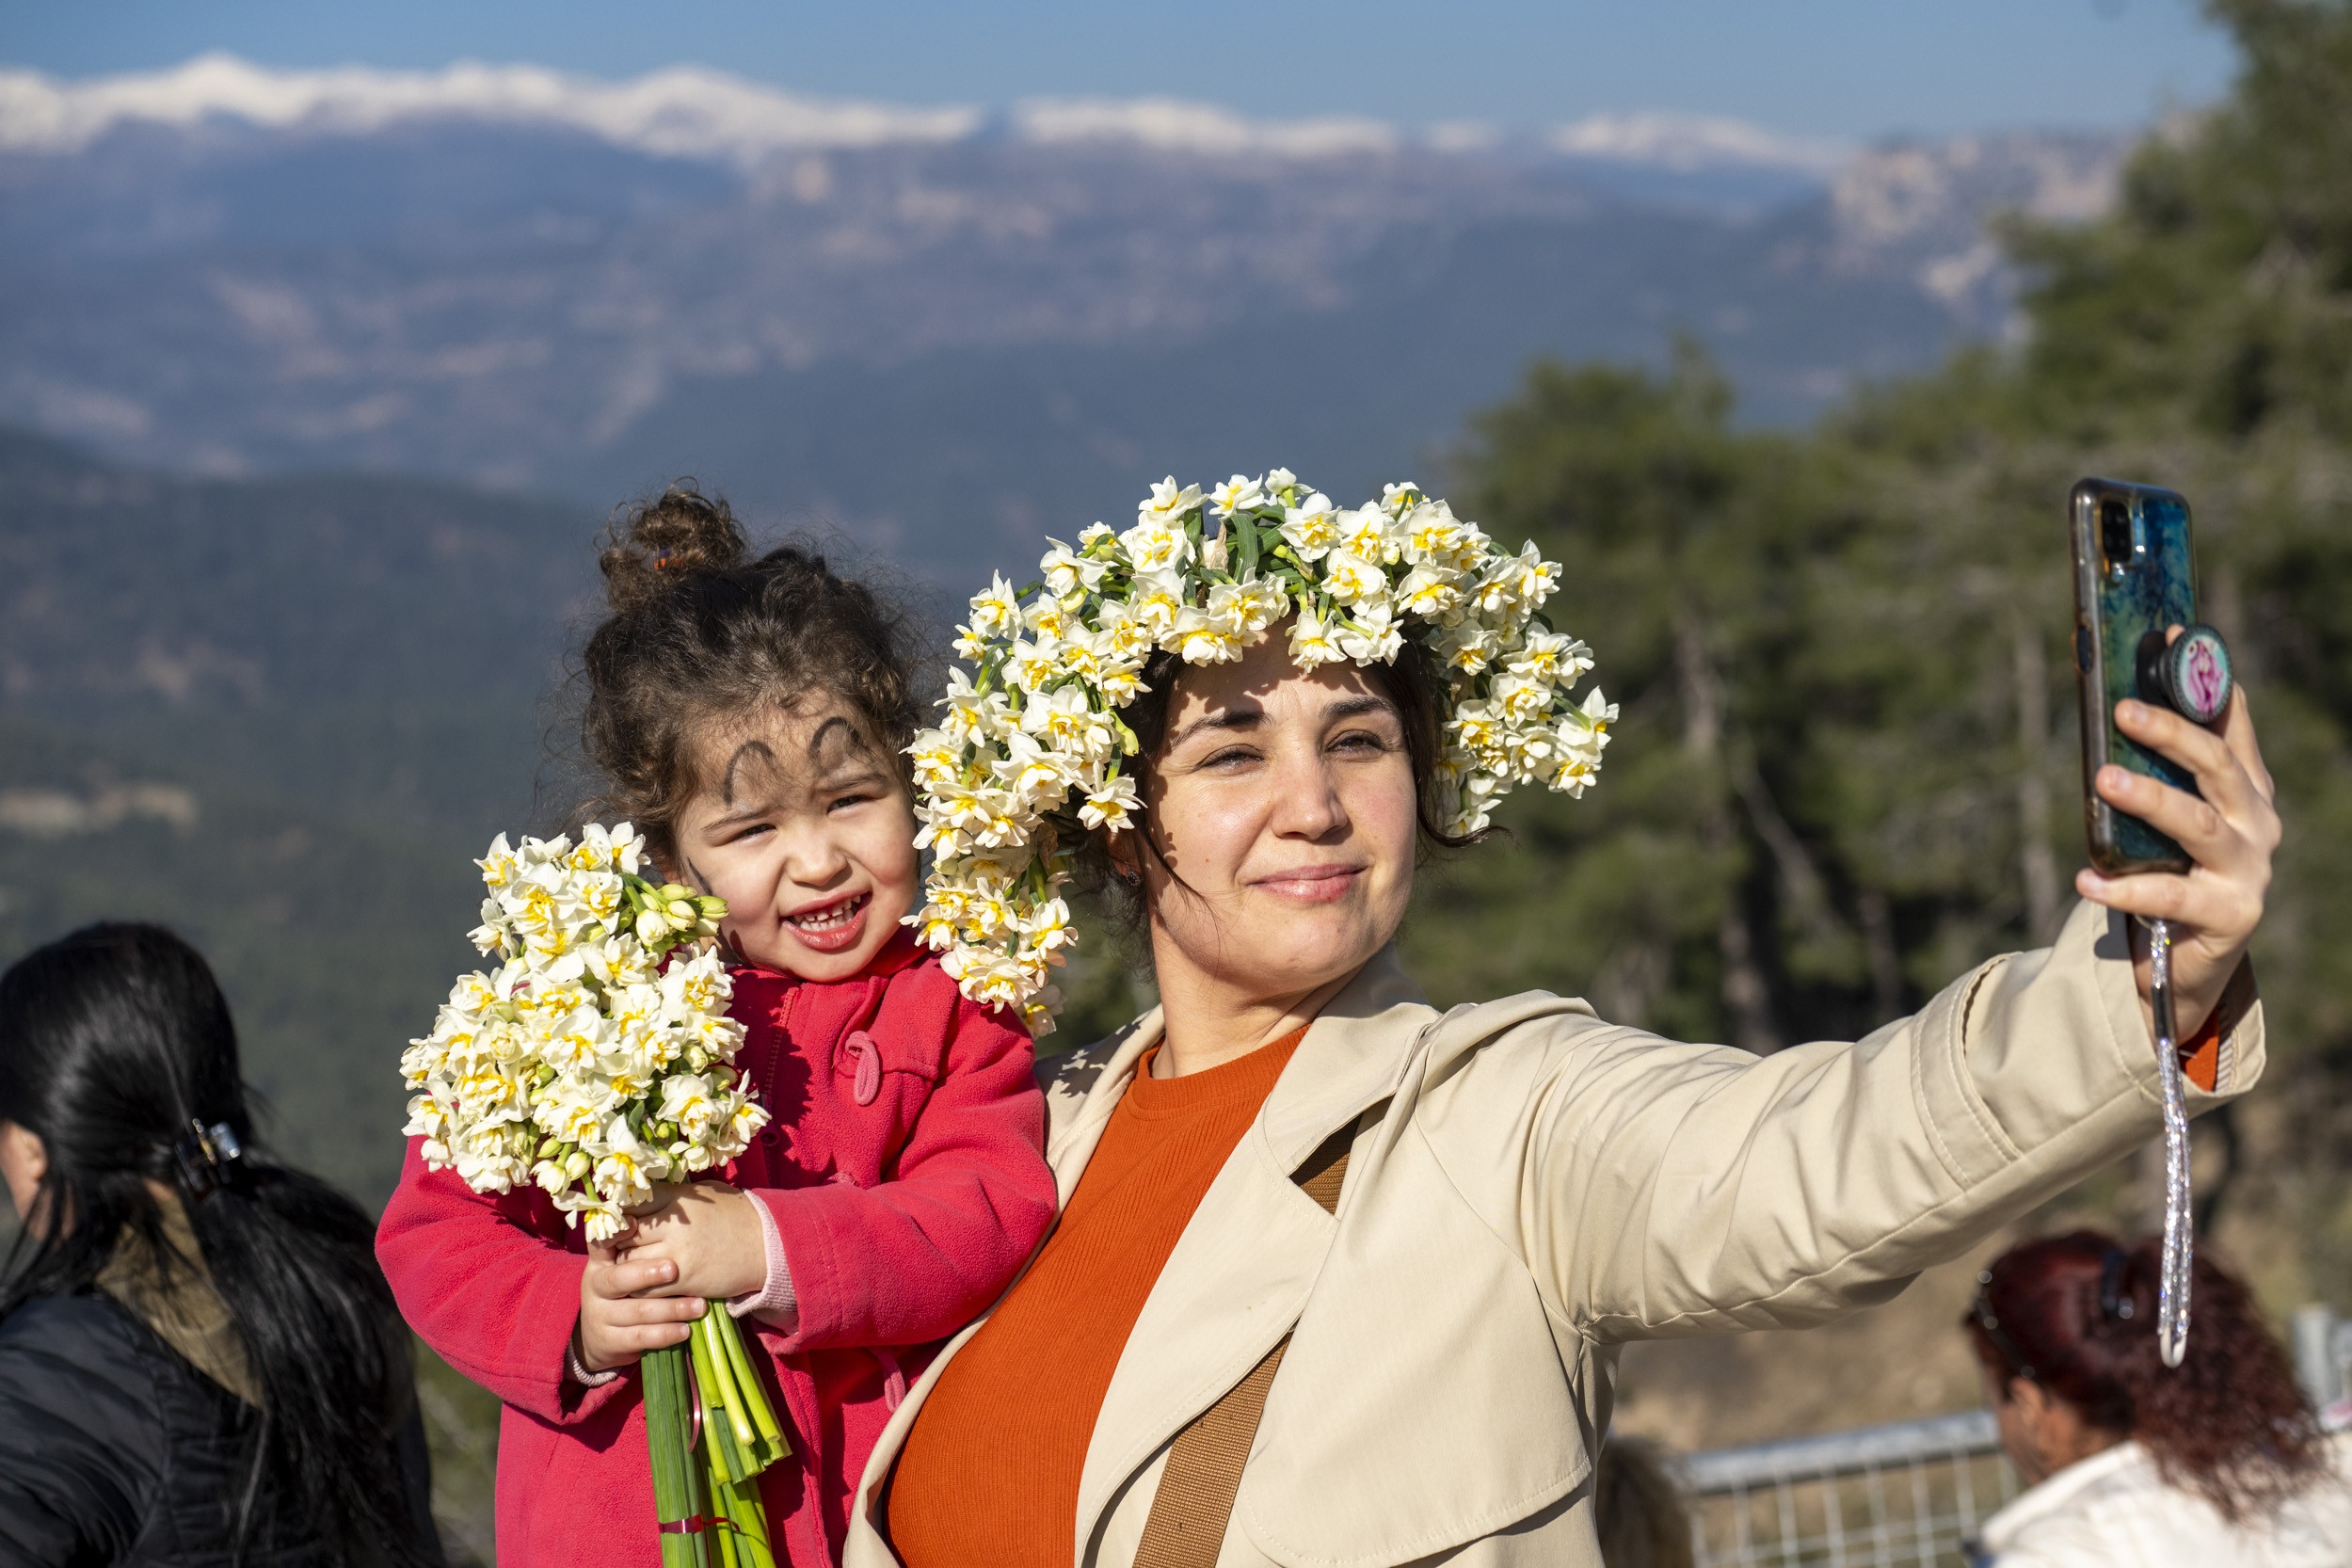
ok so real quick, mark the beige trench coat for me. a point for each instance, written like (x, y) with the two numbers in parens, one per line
(1530, 1188)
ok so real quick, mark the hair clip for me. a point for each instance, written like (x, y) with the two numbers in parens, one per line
(205, 1154)
(1981, 1310)
(2113, 1303)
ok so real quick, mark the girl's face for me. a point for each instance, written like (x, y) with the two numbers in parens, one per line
(807, 832)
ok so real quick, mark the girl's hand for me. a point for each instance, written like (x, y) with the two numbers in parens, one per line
(711, 1237)
(2229, 837)
(619, 1319)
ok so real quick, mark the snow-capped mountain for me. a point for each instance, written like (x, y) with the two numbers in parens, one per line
(948, 325)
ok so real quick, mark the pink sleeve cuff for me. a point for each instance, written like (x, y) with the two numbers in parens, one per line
(578, 1372)
(773, 1302)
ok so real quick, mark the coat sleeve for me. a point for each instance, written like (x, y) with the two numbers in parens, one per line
(1658, 1189)
(492, 1284)
(81, 1439)
(916, 1257)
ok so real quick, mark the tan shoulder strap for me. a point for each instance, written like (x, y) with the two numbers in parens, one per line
(1195, 1503)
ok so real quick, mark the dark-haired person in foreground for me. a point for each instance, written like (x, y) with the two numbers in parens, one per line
(2215, 1463)
(200, 1362)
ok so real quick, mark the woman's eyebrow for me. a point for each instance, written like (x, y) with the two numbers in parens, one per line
(1230, 718)
(1348, 707)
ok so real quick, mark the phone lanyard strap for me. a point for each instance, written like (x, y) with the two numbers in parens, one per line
(2179, 1218)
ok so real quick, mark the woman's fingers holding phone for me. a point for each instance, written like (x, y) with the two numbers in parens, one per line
(2230, 834)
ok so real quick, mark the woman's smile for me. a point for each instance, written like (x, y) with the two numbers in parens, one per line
(1326, 883)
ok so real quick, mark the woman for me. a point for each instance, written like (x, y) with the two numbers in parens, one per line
(2214, 1464)
(198, 1361)
(1340, 1279)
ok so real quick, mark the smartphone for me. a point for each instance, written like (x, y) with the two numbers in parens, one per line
(2134, 577)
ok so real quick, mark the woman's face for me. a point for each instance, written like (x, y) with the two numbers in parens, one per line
(1282, 805)
(807, 832)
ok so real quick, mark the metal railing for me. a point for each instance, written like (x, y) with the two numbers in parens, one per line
(1910, 1494)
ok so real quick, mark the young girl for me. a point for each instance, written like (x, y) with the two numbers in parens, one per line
(749, 716)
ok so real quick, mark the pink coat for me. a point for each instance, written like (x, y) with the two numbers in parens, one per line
(906, 1199)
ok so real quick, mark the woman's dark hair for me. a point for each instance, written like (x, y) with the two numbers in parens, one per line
(114, 1042)
(702, 633)
(2078, 1315)
(1413, 685)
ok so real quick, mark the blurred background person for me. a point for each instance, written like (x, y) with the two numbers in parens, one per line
(2216, 1462)
(1639, 1510)
(198, 1360)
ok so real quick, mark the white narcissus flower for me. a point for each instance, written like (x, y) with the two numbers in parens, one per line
(997, 609)
(1554, 657)
(1113, 806)
(1349, 577)
(1067, 571)
(1030, 665)
(1370, 634)
(1368, 533)
(499, 866)
(1068, 720)
(1201, 639)
(1430, 591)
(1157, 545)
(1167, 503)
(1314, 641)
(1236, 494)
(1311, 529)
(1159, 599)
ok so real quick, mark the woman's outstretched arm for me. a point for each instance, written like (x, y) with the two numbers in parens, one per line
(1659, 1189)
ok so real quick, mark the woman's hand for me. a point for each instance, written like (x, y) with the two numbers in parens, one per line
(2230, 836)
(620, 1320)
(711, 1236)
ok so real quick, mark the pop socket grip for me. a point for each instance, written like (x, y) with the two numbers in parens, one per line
(2191, 677)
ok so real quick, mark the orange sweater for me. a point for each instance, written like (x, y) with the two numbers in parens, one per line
(989, 1473)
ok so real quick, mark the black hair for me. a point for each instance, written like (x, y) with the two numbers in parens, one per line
(115, 1043)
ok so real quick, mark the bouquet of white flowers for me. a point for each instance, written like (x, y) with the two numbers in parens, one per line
(597, 1062)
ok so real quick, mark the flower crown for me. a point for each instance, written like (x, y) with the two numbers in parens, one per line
(1033, 754)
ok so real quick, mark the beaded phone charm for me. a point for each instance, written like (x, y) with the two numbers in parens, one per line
(2192, 678)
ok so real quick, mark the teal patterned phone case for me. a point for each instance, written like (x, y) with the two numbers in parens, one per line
(2134, 576)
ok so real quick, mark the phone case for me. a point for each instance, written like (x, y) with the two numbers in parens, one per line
(2131, 582)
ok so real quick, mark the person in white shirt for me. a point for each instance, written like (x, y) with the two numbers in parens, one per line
(2215, 1463)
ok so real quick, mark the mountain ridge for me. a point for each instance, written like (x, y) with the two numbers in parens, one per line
(695, 111)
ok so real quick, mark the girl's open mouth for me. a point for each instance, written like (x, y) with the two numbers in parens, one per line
(834, 927)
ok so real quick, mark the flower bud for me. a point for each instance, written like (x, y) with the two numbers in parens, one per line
(576, 1165)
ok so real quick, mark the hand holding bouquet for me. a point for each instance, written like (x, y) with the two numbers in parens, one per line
(597, 1062)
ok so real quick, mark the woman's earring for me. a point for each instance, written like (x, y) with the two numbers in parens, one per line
(1127, 874)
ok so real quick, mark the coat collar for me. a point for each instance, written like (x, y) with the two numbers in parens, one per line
(1240, 1273)
(1350, 1060)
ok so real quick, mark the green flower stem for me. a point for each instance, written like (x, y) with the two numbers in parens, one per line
(723, 1371)
(717, 1439)
(663, 1373)
(755, 1396)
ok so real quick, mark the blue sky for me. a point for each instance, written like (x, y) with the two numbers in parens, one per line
(1834, 68)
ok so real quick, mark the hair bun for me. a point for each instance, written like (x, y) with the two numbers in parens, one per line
(680, 533)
